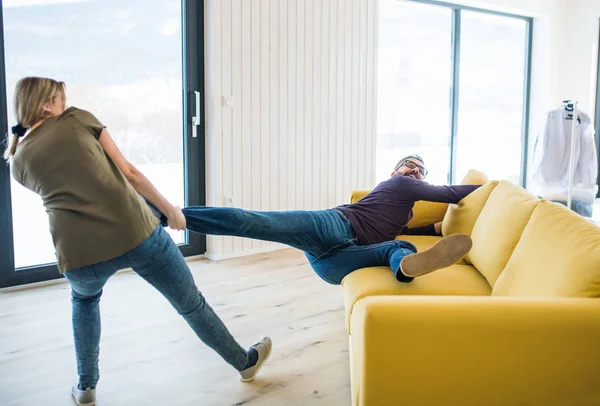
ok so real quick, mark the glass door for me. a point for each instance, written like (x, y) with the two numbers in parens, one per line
(136, 66)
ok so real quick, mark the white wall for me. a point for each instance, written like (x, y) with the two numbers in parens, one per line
(299, 131)
(581, 52)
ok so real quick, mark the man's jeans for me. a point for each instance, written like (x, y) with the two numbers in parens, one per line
(325, 236)
(160, 263)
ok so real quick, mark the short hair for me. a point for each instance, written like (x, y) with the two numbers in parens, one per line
(413, 156)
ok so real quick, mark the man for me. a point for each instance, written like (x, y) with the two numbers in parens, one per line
(349, 237)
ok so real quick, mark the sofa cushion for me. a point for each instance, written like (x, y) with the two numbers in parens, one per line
(499, 227)
(474, 177)
(461, 217)
(455, 280)
(422, 242)
(558, 255)
(357, 195)
(426, 213)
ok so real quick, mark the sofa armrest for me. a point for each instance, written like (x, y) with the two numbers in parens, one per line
(475, 351)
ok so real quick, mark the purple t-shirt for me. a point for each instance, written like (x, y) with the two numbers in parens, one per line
(383, 214)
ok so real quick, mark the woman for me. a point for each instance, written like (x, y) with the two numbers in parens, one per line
(99, 225)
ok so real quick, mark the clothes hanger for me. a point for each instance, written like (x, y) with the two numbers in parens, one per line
(568, 106)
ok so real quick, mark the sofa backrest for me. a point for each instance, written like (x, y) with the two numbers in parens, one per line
(461, 217)
(498, 228)
(357, 195)
(557, 255)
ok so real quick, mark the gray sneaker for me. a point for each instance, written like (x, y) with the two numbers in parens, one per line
(84, 397)
(263, 347)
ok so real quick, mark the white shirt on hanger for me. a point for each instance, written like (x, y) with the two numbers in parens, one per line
(552, 152)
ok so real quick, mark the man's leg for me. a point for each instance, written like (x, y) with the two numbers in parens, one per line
(443, 253)
(400, 256)
(311, 231)
(333, 266)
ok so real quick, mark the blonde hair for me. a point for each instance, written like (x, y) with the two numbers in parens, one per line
(31, 96)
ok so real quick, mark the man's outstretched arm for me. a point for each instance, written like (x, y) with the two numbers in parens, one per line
(418, 190)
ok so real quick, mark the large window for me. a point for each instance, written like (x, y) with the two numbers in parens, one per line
(453, 87)
(129, 64)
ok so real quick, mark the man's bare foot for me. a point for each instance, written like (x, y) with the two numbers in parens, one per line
(443, 253)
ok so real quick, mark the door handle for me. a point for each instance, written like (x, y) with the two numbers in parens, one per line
(196, 117)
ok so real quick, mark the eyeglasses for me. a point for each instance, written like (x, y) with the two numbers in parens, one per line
(411, 165)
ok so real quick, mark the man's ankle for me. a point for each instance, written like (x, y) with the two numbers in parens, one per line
(252, 358)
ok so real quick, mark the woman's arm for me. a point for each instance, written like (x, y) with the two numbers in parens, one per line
(141, 184)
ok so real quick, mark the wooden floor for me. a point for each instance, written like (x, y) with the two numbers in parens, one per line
(149, 356)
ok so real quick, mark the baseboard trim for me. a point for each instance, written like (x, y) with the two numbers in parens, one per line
(237, 254)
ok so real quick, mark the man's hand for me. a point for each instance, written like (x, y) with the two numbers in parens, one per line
(176, 219)
(438, 228)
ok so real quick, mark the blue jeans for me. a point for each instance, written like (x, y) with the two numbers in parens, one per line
(325, 236)
(160, 263)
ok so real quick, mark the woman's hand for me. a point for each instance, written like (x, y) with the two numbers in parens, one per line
(176, 219)
(141, 184)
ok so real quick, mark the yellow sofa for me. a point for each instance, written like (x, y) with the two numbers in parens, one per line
(516, 322)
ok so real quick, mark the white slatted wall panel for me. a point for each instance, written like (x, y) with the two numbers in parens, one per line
(300, 131)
